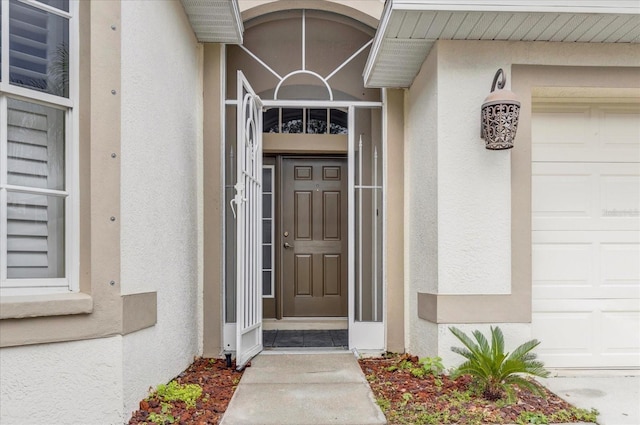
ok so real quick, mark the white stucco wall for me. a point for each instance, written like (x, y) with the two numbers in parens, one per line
(161, 138)
(472, 185)
(78, 382)
(421, 192)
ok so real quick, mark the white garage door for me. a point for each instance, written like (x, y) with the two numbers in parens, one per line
(586, 234)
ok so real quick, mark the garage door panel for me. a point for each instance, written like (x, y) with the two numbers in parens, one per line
(562, 265)
(569, 345)
(620, 265)
(561, 128)
(560, 194)
(585, 196)
(621, 194)
(620, 130)
(620, 332)
(587, 333)
(586, 133)
(586, 234)
(602, 265)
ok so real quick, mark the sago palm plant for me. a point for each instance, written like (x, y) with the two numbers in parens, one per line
(493, 369)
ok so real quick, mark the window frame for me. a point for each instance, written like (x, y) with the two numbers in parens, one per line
(70, 281)
(272, 244)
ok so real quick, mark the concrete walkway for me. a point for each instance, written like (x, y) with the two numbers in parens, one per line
(319, 388)
(615, 394)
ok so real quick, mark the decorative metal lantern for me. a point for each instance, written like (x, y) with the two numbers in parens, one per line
(500, 112)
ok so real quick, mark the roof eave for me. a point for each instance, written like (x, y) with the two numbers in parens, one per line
(215, 21)
(404, 50)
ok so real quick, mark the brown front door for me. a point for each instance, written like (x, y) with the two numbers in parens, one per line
(314, 237)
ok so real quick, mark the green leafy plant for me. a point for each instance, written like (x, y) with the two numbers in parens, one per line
(432, 365)
(405, 364)
(494, 370)
(532, 418)
(383, 403)
(574, 413)
(406, 398)
(173, 391)
(427, 366)
(165, 417)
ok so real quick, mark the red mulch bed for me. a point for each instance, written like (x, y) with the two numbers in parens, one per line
(440, 400)
(218, 383)
(404, 398)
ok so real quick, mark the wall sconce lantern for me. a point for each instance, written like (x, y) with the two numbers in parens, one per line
(500, 112)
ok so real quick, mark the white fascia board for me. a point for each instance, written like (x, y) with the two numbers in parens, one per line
(377, 41)
(239, 27)
(537, 6)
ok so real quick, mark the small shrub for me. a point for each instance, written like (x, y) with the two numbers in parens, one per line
(173, 391)
(432, 365)
(494, 370)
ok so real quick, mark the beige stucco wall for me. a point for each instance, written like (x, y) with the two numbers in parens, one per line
(477, 256)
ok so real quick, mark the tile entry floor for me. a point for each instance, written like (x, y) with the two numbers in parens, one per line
(311, 338)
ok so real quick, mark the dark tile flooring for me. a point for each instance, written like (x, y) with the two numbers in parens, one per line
(316, 339)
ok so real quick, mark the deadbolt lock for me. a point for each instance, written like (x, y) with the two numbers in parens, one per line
(286, 234)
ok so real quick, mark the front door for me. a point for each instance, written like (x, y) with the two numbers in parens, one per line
(314, 237)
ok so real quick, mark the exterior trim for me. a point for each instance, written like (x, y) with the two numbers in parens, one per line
(324, 5)
(394, 232)
(139, 311)
(213, 197)
(513, 308)
(18, 307)
(516, 307)
(611, 6)
(304, 143)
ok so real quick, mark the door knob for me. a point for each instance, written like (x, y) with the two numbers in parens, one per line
(288, 245)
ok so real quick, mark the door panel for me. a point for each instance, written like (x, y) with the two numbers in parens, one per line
(248, 214)
(314, 237)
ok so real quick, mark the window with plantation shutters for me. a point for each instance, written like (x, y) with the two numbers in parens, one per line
(35, 158)
(38, 148)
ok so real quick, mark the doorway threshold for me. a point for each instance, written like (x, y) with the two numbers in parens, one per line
(306, 323)
(305, 339)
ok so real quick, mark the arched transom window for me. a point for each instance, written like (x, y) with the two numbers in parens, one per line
(303, 55)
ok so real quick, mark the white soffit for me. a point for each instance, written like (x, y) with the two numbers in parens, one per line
(409, 28)
(215, 21)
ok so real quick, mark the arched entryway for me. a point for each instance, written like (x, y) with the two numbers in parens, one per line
(322, 203)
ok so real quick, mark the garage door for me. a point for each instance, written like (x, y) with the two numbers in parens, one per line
(586, 234)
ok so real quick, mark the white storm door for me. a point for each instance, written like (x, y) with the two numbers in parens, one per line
(248, 203)
(366, 218)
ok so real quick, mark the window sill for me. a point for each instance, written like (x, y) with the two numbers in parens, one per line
(23, 306)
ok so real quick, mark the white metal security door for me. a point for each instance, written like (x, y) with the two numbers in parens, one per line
(248, 202)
